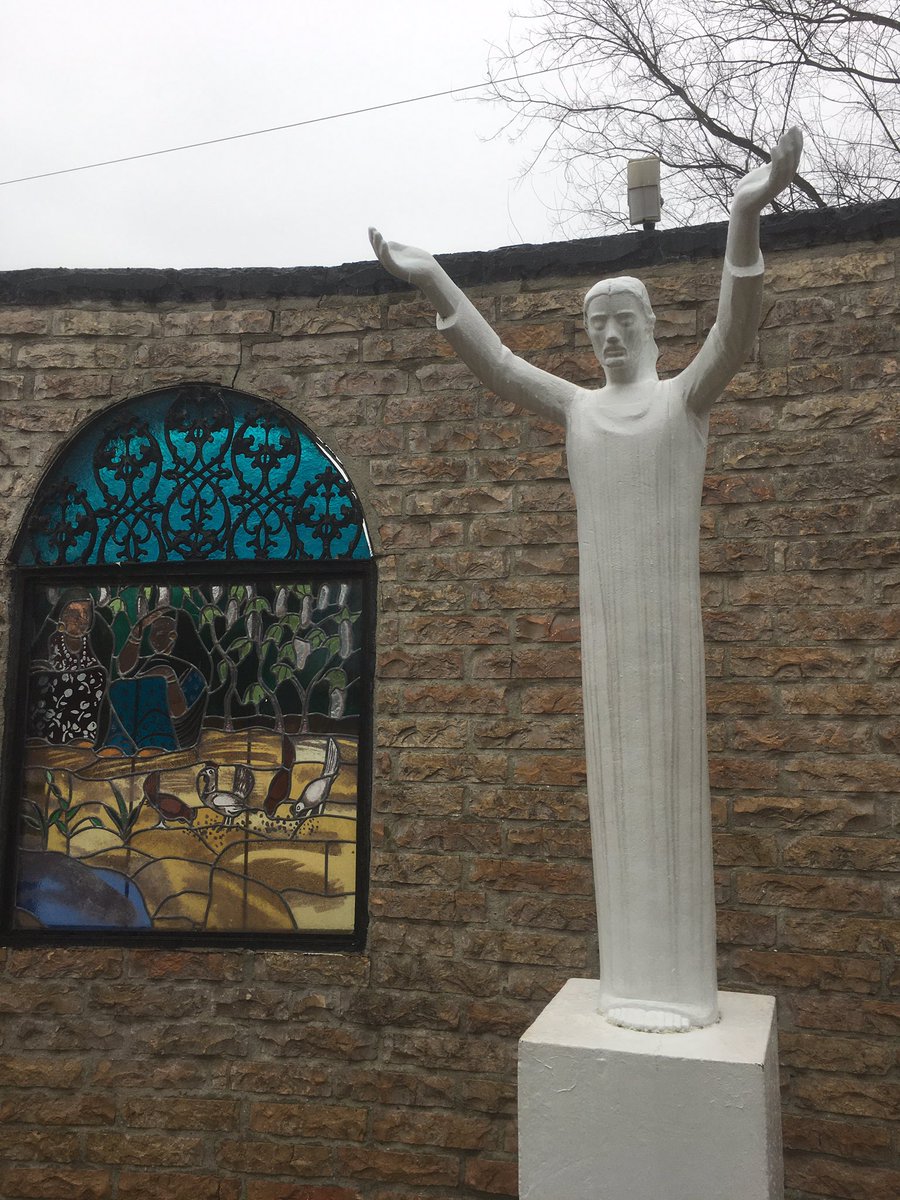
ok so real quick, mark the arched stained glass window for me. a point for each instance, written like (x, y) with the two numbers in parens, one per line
(188, 752)
(194, 474)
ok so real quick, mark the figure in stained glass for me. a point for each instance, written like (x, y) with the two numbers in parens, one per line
(159, 699)
(68, 686)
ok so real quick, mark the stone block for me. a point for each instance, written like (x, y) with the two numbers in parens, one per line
(612, 1112)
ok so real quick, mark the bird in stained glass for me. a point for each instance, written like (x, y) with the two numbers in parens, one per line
(279, 788)
(169, 807)
(313, 797)
(228, 804)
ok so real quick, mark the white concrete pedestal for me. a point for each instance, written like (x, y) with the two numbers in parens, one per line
(612, 1114)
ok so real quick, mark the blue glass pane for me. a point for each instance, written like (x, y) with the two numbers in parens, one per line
(194, 473)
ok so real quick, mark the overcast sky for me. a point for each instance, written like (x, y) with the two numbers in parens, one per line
(89, 80)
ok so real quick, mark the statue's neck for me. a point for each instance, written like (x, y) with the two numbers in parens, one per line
(630, 386)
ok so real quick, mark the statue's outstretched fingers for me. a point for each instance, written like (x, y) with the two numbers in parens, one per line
(795, 144)
(782, 169)
(788, 150)
(783, 162)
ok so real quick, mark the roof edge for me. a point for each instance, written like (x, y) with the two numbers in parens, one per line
(600, 256)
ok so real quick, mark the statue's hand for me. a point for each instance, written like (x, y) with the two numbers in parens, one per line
(760, 187)
(406, 262)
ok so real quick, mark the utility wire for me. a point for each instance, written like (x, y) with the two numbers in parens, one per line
(234, 137)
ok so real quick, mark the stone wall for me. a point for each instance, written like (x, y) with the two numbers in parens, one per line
(388, 1075)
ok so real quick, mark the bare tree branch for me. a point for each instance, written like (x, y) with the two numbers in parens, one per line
(706, 87)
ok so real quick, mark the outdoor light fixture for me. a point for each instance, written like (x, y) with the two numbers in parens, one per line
(644, 203)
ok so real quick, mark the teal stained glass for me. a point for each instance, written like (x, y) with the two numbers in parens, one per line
(189, 474)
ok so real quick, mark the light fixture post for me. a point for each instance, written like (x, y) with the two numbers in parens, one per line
(644, 201)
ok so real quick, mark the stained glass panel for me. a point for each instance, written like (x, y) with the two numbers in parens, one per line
(189, 474)
(192, 756)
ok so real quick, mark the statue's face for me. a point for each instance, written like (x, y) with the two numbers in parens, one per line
(620, 334)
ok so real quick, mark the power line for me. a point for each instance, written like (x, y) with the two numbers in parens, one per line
(234, 137)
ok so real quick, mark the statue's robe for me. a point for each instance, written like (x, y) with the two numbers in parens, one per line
(636, 460)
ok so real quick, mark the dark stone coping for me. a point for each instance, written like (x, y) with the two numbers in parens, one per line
(586, 256)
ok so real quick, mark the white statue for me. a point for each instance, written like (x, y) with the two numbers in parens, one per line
(636, 452)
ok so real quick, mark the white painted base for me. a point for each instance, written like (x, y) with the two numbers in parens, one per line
(607, 1113)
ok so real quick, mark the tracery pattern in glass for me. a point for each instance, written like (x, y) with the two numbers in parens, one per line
(191, 762)
(198, 473)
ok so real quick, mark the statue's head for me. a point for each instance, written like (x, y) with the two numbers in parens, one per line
(620, 322)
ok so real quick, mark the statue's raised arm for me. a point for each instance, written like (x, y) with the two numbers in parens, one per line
(476, 343)
(731, 338)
